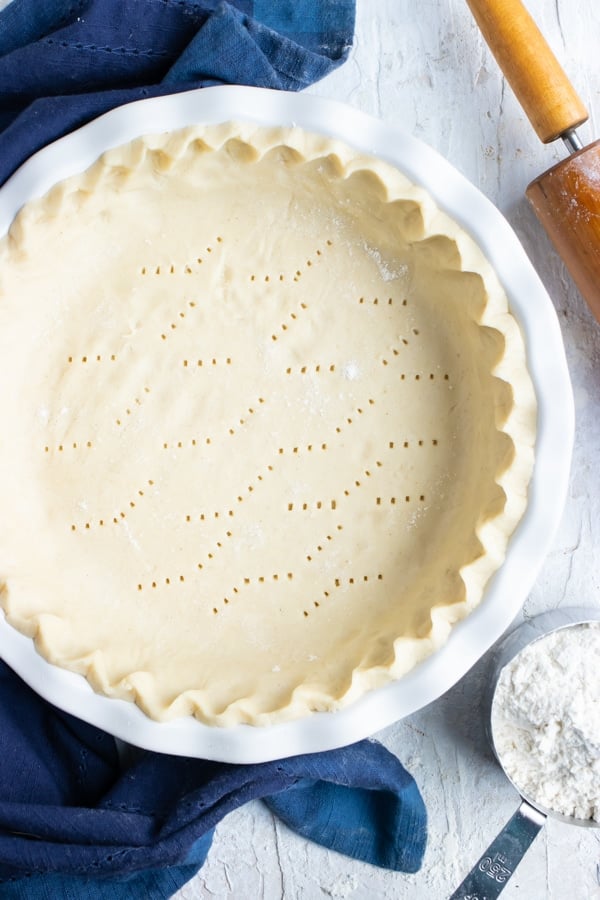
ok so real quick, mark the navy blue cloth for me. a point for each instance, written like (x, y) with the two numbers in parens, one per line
(64, 62)
(75, 822)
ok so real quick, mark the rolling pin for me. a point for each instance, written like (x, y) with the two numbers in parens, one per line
(566, 198)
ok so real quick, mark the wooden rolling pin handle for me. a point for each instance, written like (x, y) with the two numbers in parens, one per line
(551, 103)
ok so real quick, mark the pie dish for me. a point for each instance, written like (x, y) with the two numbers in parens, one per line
(271, 423)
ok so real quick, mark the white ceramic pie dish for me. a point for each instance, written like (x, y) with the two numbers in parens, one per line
(530, 542)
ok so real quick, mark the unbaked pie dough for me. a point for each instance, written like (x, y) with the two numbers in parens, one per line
(267, 424)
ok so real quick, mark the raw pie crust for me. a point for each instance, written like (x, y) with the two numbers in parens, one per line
(267, 424)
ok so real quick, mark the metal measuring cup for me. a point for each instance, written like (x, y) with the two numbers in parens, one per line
(492, 871)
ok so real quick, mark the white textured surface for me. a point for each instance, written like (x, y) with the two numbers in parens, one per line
(424, 66)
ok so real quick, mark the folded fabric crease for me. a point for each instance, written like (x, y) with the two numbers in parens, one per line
(68, 808)
(63, 63)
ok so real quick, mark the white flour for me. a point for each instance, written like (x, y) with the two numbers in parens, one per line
(546, 721)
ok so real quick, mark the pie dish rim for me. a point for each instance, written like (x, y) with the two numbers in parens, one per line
(547, 366)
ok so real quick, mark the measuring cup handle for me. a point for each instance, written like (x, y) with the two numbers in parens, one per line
(489, 875)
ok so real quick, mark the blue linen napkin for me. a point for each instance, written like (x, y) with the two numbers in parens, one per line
(63, 62)
(74, 822)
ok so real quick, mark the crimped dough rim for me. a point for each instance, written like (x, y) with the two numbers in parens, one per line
(514, 415)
